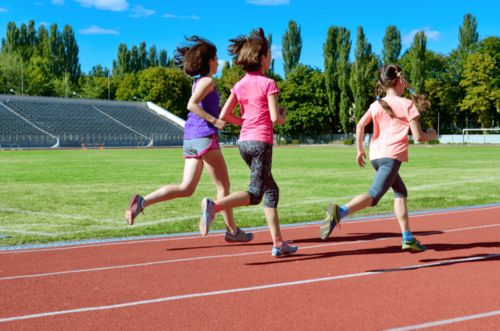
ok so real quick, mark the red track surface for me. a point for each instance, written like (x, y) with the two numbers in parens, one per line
(352, 281)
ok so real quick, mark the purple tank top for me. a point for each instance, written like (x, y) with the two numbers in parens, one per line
(197, 127)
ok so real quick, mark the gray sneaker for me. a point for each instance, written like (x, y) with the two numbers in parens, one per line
(330, 222)
(240, 236)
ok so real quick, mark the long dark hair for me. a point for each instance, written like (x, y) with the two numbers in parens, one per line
(388, 76)
(194, 58)
(247, 52)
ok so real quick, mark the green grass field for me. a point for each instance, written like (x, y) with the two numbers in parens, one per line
(62, 195)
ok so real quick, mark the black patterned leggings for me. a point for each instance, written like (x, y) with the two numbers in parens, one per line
(258, 156)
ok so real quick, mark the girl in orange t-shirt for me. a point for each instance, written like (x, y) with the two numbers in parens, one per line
(392, 117)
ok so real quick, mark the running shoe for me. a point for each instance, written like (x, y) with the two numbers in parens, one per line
(331, 220)
(207, 215)
(134, 209)
(240, 236)
(283, 250)
(413, 246)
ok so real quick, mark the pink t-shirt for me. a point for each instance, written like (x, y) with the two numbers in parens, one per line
(390, 134)
(252, 92)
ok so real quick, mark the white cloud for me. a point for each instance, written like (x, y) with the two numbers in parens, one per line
(140, 11)
(433, 35)
(113, 5)
(268, 2)
(94, 29)
(182, 17)
(3, 10)
(57, 2)
(276, 52)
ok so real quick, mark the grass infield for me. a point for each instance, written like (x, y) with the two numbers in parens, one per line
(59, 195)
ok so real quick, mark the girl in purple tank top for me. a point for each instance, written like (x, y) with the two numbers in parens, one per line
(201, 147)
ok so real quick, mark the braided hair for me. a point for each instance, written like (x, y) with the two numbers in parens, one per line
(388, 77)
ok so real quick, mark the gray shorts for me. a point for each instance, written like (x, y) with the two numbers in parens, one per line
(387, 177)
(197, 147)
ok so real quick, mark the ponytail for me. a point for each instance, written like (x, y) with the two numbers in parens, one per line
(379, 90)
(420, 100)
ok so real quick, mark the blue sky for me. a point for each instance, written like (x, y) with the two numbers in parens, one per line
(101, 25)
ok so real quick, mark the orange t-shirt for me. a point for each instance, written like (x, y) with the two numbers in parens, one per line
(390, 134)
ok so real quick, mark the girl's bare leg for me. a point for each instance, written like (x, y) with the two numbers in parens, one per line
(217, 169)
(192, 173)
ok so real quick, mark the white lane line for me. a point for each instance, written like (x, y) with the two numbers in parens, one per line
(188, 237)
(237, 290)
(12, 230)
(210, 257)
(447, 321)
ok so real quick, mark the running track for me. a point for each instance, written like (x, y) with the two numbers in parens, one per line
(356, 280)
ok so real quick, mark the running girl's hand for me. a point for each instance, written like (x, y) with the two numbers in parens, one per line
(219, 124)
(360, 159)
(431, 134)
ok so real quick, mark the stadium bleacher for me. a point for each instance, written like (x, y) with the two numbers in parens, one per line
(42, 121)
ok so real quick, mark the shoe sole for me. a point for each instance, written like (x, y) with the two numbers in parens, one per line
(326, 228)
(286, 253)
(203, 219)
(239, 241)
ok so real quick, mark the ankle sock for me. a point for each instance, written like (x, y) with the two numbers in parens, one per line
(343, 211)
(407, 236)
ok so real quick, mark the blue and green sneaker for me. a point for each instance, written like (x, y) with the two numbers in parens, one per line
(413, 246)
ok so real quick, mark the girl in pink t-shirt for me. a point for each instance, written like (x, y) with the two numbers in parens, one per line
(257, 96)
(392, 117)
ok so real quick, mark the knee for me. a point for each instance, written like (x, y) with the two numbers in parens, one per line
(186, 191)
(375, 199)
(255, 196)
(223, 189)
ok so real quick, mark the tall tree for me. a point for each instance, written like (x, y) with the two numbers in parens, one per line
(331, 57)
(153, 60)
(123, 65)
(304, 98)
(344, 47)
(270, 41)
(12, 37)
(142, 56)
(480, 95)
(163, 58)
(71, 60)
(363, 74)
(292, 46)
(468, 35)
(134, 59)
(418, 62)
(392, 45)
(42, 46)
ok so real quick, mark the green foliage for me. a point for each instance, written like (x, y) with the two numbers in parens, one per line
(363, 75)
(168, 87)
(417, 52)
(468, 35)
(392, 45)
(331, 55)
(344, 47)
(303, 96)
(291, 47)
(480, 96)
(11, 72)
(38, 77)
